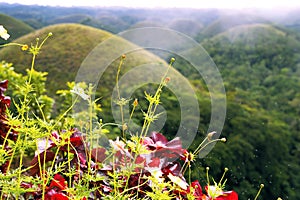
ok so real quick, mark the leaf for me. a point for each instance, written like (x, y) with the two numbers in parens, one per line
(40, 159)
(98, 154)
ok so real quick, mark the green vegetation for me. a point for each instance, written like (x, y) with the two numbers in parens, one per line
(260, 69)
(62, 157)
(65, 52)
(17, 27)
(259, 63)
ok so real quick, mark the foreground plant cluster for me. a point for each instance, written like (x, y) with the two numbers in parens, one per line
(44, 158)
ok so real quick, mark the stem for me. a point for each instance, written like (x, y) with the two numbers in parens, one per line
(258, 193)
(200, 147)
(119, 96)
(207, 169)
(151, 110)
(20, 173)
(131, 114)
(225, 170)
(90, 135)
(69, 161)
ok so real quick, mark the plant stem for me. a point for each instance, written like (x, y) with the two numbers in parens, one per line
(119, 96)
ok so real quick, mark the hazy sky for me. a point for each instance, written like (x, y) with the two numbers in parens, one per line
(168, 3)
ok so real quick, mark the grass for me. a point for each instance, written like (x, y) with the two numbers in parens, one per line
(17, 27)
(63, 54)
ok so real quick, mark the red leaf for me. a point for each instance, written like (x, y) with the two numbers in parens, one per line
(158, 137)
(53, 195)
(173, 168)
(35, 161)
(59, 196)
(229, 195)
(58, 182)
(76, 141)
(155, 162)
(98, 154)
(197, 190)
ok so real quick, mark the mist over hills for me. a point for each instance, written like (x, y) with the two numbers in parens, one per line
(257, 54)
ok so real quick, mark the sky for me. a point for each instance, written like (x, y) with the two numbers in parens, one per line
(235, 4)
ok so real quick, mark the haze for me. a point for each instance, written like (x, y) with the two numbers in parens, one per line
(234, 4)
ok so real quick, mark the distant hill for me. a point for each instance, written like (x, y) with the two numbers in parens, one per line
(73, 18)
(16, 27)
(227, 21)
(249, 34)
(186, 26)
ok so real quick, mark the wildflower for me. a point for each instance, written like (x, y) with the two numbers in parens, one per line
(118, 145)
(167, 79)
(80, 92)
(135, 103)
(172, 60)
(178, 181)
(216, 193)
(210, 135)
(187, 156)
(3, 33)
(124, 127)
(197, 190)
(24, 47)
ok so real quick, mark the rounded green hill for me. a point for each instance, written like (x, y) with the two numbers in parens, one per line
(16, 27)
(62, 54)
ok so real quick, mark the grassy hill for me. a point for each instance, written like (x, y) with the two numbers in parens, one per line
(16, 27)
(64, 52)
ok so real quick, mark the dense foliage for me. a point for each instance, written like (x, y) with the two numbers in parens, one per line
(259, 64)
(260, 68)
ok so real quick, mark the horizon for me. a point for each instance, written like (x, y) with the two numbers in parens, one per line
(218, 4)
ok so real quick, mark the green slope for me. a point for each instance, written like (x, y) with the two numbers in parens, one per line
(63, 53)
(260, 68)
(16, 27)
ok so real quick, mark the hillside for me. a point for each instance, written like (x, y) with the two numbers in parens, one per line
(260, 64)
(64, 52)
(186, 26)
(16, 27)
(226, 21)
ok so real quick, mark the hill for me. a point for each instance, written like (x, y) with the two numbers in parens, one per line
(16, 27)
(259, 64)
(64, 52)
(186, 26)
(226, 21)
